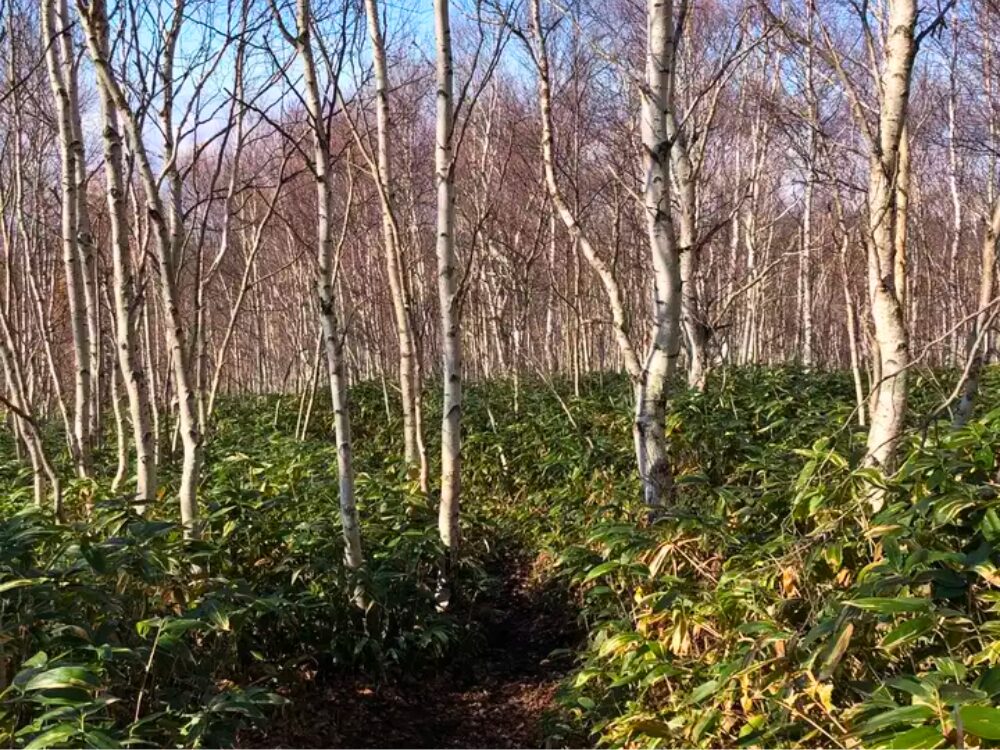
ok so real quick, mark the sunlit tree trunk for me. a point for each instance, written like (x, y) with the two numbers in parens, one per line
(887, 271)
(695, 331)
(806, 258)
(333, 337)
(84, 235)
(54, 30)
(604, 272)
(121, 443)
(649, 379)
(954, 292)
(130, 365)
(451, 334)
(661, 361)
(393, 252)
(94, 18)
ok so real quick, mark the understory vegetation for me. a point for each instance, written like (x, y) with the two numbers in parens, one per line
(767, 606)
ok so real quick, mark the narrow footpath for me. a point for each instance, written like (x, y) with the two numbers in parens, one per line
(498, 698)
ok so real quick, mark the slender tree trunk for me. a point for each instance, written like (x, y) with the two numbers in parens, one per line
(121, 438)
(393, 251)
(812, 149)
(675, 138)
(54, 30)
(603, 270)
(332, 336)
(84, 235)
(130, 363)
(954, 292)
(313, 383)
(94, 17)
(19, 403)
(696, 333)
(451, 334)
(850, 309)
(657, 107)
(976, 347)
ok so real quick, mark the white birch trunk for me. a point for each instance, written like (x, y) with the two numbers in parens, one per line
(54, 33)
(94, 19)
(332, 336)
(451, 334)
(806, 259)
(393, 252)
(130, 363)
(887, 264)
(657, 107)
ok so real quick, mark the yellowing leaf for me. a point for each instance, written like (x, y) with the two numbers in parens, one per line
(837, 652)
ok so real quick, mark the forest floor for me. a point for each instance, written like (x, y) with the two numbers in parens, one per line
(497, 698)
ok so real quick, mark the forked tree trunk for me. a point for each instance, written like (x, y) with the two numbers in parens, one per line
(604, 272)
(649, 380)
(94, 18)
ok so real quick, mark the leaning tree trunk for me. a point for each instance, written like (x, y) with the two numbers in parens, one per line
(129, 360)
(94, 18)
(51, 29)
(393, 252)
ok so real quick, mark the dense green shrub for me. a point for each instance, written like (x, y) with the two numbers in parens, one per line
(767, 607)
(773, 607)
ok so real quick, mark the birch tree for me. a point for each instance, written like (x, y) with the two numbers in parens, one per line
(408, 381)
(451, 346)
(94, 19)
(657, 143)
(56, 33)
(887, 272)
(649, 379)
(333, 336)
(130, 364)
